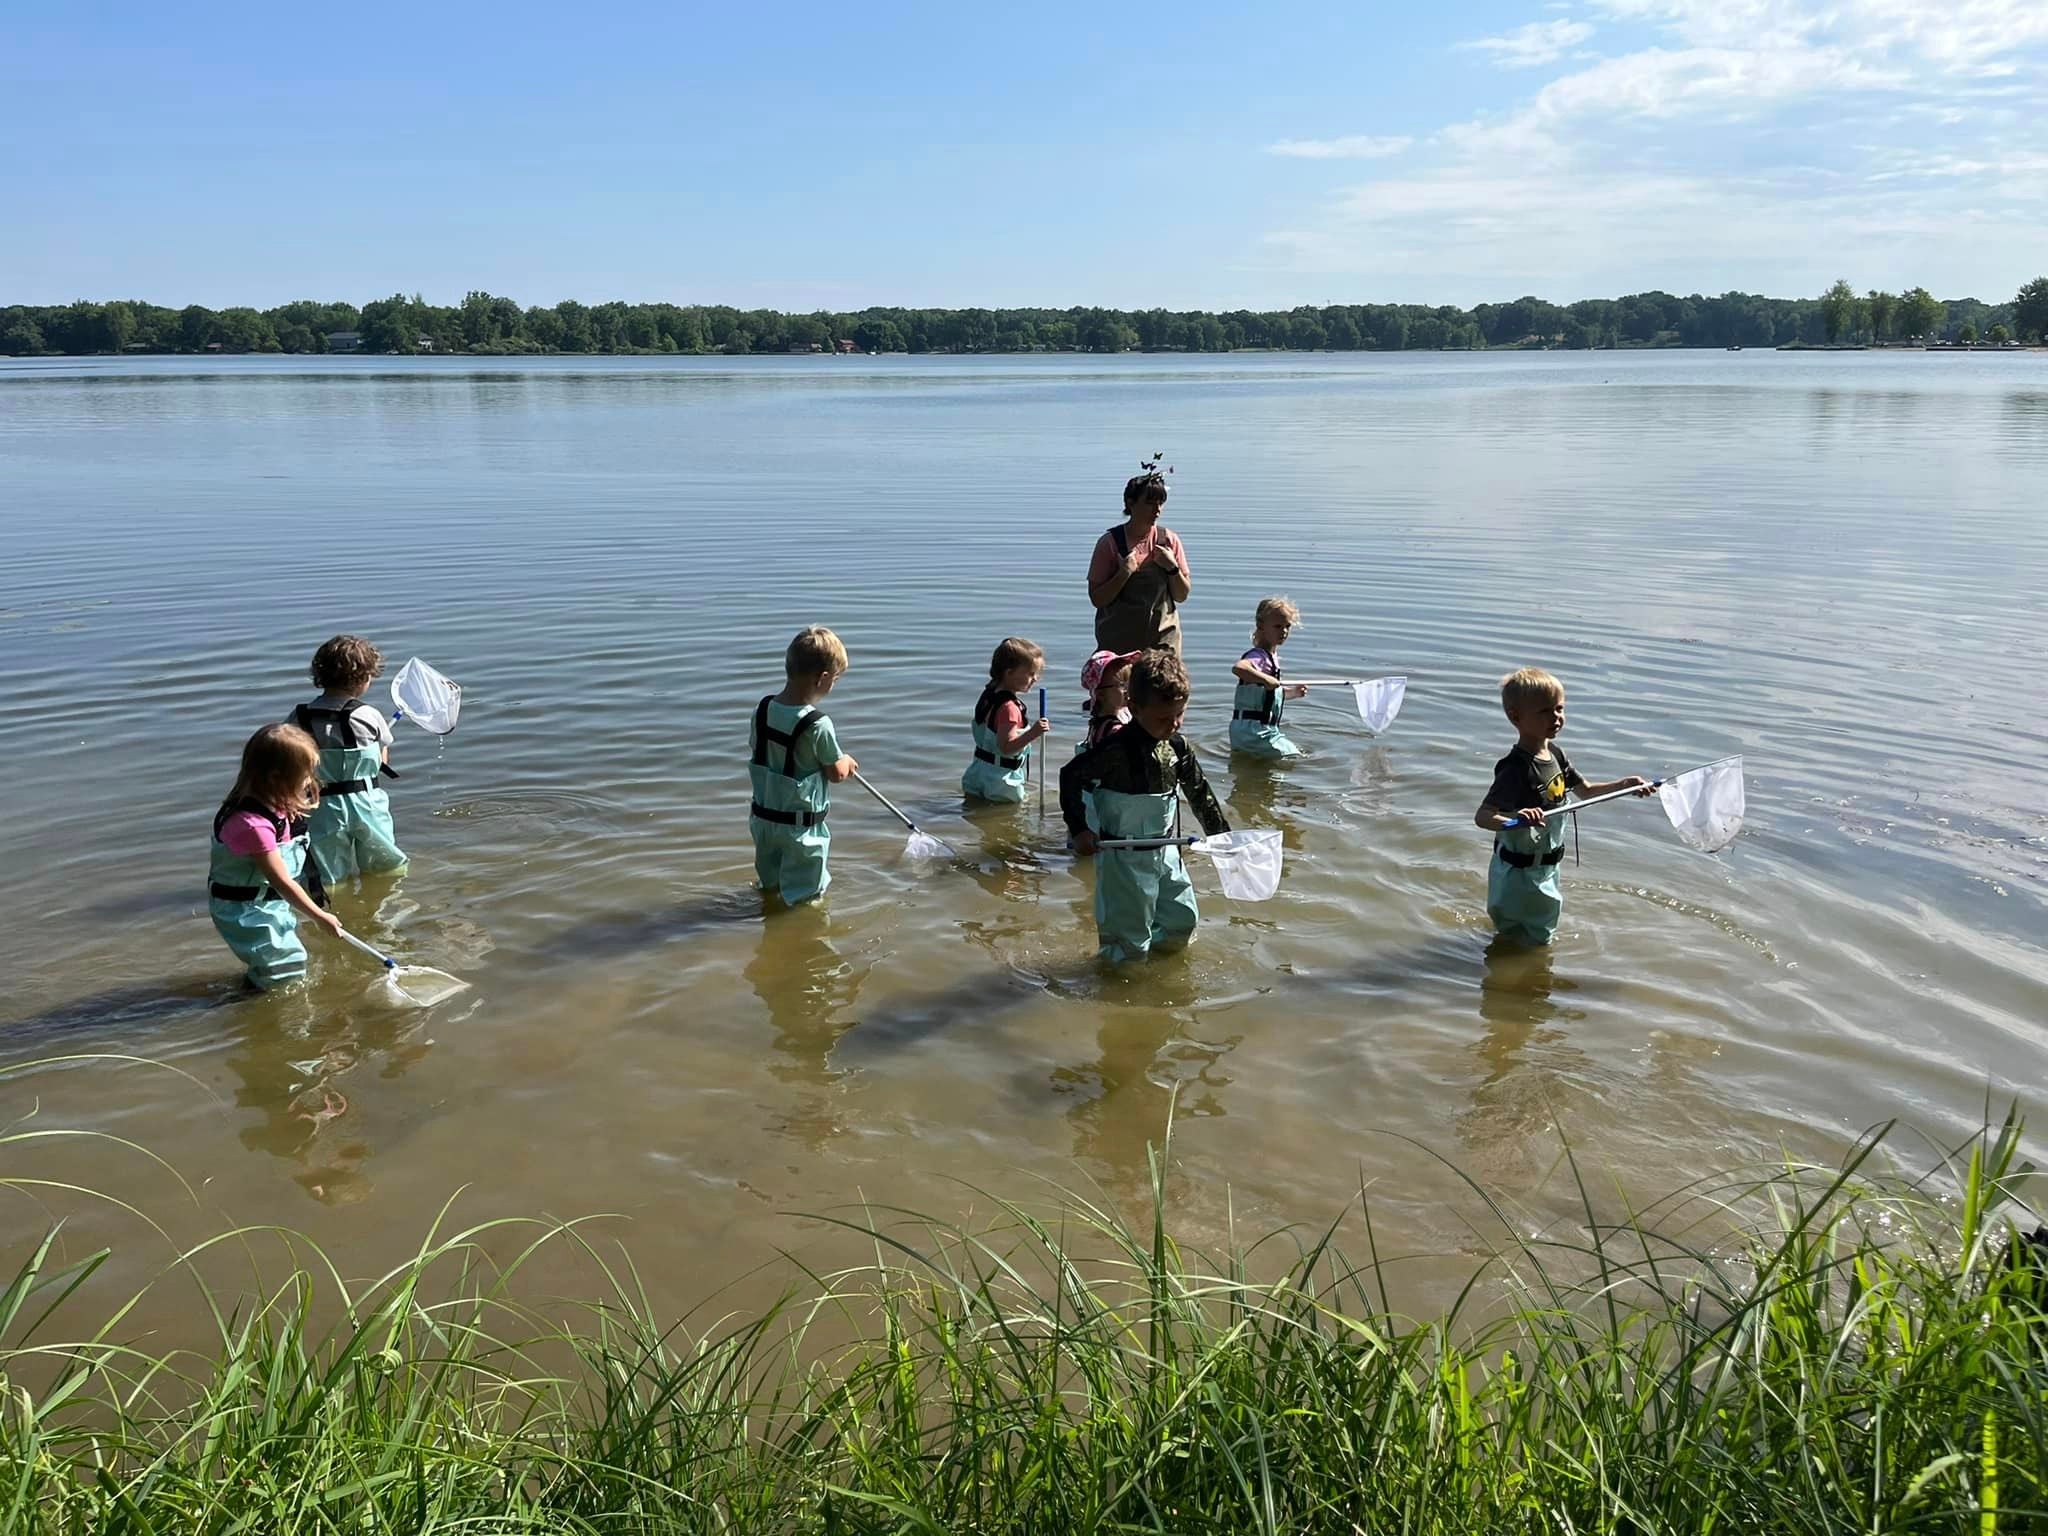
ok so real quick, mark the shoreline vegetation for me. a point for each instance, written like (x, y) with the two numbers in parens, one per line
(492, 326)
(1791, 1348)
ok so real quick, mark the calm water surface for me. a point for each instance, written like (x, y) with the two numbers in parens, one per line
(1836, 566)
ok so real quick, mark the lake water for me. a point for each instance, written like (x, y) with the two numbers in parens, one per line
(1835, 565)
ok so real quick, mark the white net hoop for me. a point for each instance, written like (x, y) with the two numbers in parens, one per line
(922, 845)
(1706, 805)
(1379, 700)
(426, 698)
(1247, 863)
(419, 986)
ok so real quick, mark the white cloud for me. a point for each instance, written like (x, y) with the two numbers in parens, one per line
(1539, 42)
(1962, 36)
(1357, 146)
(1757, 143)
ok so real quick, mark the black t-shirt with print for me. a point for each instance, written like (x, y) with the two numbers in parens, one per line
(1520, 780)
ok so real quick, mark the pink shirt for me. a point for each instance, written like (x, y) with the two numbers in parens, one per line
(1103, 564)
(1007, 720)
(248, 834)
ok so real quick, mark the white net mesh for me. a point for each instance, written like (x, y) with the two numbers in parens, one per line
(426, 698)
(923, 845)
(419, 986)
(1379, 700)
(1247, 863)
(1706, 804)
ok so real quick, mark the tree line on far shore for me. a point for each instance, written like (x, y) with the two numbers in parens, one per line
(490, 325)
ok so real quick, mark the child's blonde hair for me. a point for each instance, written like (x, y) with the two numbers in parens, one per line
(1159, 675)
(1014, 653)
(1274, 608)
(815, 652)
(346, 664)
(278, 765)
(1531, 685)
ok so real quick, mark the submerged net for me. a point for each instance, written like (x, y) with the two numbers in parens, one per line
(1247, 863)
(418, 986)
(1379, 700)
(1706, 804)
(923, 845)
(426, 698)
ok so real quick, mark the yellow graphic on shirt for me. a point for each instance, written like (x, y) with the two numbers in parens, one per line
(1554, 790)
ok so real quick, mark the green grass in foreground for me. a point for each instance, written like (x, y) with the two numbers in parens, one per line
(1803, 1350)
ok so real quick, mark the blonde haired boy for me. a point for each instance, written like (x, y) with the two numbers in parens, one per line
(795, 759)
(1524, 895)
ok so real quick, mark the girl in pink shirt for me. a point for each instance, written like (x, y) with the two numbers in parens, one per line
(259, 851)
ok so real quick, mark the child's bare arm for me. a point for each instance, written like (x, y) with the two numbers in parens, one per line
(1491, 818)
(271, 862)
(1010, 743)
(1251, 672)
(839, 771)
(1634, 781)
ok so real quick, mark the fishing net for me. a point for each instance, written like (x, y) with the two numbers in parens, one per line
(1706, 804)
(426, 698)
(1247, 863)
(1379, 700)
(418, 986)
(922, 845)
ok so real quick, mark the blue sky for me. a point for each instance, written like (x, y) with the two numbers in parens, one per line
(810, 156)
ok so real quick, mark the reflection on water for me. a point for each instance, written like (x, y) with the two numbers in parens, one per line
(809, 988)
(1525, 1052)
(1742, 553)
(310, 1071)
(1148, 1063)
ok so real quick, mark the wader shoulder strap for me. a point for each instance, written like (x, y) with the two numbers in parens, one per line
(1122, 540)
(330, 728)
(285, 826)
(991, 697)
(789, 740)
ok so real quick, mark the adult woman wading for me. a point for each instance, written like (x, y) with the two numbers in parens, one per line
(1139, 576)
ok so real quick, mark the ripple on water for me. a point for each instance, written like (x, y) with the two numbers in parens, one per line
(1834, 567)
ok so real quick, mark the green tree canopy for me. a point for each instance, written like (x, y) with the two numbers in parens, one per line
(2030, 310)
(1920, 313)
(1838, 309)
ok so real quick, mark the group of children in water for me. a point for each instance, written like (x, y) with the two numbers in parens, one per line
(1129, 773)
(306, 810)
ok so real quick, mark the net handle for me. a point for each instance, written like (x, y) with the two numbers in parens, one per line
(372, 951)
(1573, 806)
(891, 804)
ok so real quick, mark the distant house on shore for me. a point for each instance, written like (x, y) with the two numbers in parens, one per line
(425, 344)
(799, 348)
(344, 341)
(846, 344)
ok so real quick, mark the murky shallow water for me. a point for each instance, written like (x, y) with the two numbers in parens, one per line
(1836, 566)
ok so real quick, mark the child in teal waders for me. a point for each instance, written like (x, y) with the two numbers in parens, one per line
(795, 762)
(1003, 739)
(1524, 895)
(351, 827)
(1256, 706)
(259, 854)
(1131, 785)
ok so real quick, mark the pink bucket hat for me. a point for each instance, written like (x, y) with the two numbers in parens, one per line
(1100, 665)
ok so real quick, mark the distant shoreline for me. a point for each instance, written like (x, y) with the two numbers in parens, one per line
(489, 325)
(501, 355)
